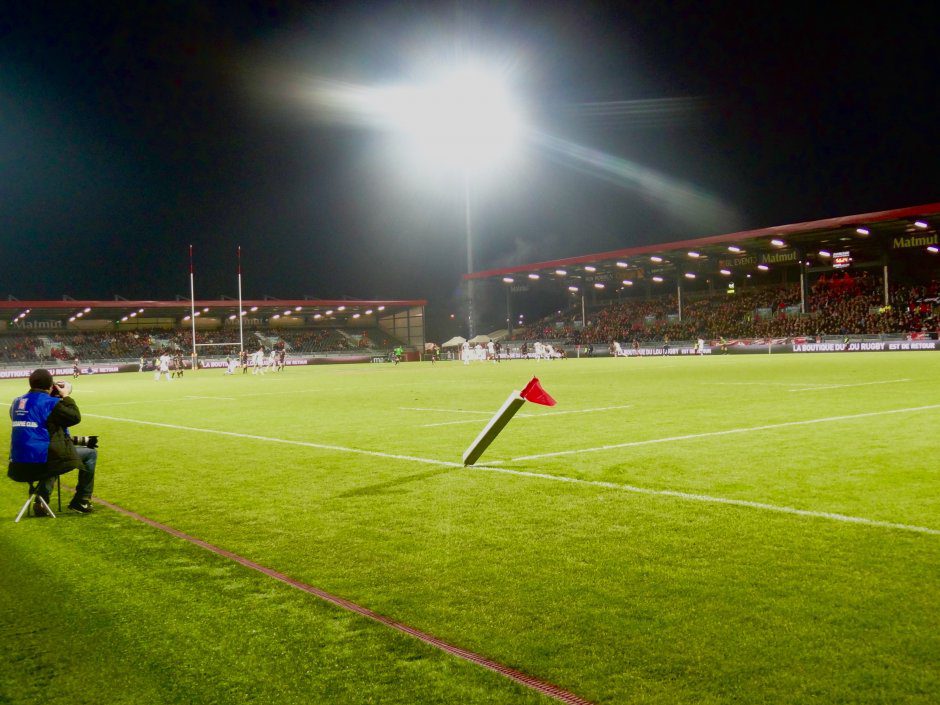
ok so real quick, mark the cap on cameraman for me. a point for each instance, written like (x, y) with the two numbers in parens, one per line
(40, 379)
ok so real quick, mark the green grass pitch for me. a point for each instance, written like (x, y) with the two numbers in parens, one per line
(593, 548)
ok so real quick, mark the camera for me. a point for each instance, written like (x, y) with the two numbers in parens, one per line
(87, 441)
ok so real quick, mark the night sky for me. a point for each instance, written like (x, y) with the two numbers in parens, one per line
(129, 130)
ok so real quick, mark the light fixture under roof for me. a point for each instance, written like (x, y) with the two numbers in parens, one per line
(533, 276)
(561, 272)
(340, 308)
(508, 280)
(763, 267)
(735, 249)
(287, 312)
(863, 231)
(776, 242)
(657, 279)
(656, 258)
(694, 255)
(922, 224)
(627, 282)
(589, 268)
(623, 265)
(726, 272)
(88, 310)
(330, 312)
(298, 308)
(825, 253)
(598, 285)
(381, 308)
(933, 249)
(689, 275)
(572, 288)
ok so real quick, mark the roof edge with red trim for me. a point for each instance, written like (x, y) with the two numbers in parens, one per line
(826, 223)
(217, 303)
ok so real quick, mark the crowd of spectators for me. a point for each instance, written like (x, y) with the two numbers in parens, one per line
(838, 305)
(63, 346)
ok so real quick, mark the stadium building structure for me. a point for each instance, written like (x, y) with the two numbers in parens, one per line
(895, 242)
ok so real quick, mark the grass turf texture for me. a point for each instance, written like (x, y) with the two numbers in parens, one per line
(617, 596)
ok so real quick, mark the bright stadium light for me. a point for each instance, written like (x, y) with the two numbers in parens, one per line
(508, 280)
(733, 248)
(656, 259)
(465, 118)
(763, 267)
(589, 268)
(777, 242)
(933, 250)
(622, 265)
(658, 280)
(627, 282)
(533, 276)
(561, 272)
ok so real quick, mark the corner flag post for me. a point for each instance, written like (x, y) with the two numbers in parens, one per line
(532, 392)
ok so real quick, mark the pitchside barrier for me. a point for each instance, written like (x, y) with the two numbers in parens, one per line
(752, 346)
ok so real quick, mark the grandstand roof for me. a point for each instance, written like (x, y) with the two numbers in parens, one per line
(866, 235)
(118, 309)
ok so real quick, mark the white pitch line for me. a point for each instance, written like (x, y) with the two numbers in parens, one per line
(269, 439)
(554, 478)
(716, 500)
(728, 432)
(843, 386)
(222, 398)
(531, 416)
(446, 411)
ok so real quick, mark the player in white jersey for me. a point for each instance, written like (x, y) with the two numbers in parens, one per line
(163, 367)
(465, 352)
(491, 351)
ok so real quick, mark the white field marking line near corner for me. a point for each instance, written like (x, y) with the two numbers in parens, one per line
(446, 411)
(285, 441)
(532, 416)
(843, 386)
(728, 432)
(545, 476)
(716, 500)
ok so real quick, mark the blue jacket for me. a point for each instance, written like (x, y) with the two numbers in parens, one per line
(39, 447)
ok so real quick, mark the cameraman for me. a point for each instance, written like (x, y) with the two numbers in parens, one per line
(40, 447)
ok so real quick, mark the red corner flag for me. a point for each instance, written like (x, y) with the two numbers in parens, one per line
(534, 393)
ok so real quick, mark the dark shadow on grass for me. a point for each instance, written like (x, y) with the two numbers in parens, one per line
(380, 487)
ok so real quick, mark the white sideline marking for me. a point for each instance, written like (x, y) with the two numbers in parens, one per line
(766, 384)
(447, 411)
(730, 431)
(269, 439)
(842, 386)
(561, 478)
(222, 398)
(716, 500)
(531, 416)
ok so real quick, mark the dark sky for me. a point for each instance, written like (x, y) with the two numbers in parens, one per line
(129, 130)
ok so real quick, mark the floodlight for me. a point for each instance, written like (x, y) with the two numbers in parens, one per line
(287, 312)
(689, 275)
(589, 268)
(920, 224)
(825, 253)
(657, 279)
(694, 255)
(368, 311)
(330, 312)
(572, 288)
(185, 318)
(232, 317)
(140, 310)
(79, 314)
(508, 280)
(863, 231)
(276, 315)
(71, 319)
(561, 272)
(598, 285)
(622, 265)
(355, 315)
(340, 308)
(254, 308)
(777, 243)
(736, 250)
(654, 258)
(627, 282)
(317, 316)
(726, 272)
(533, 276)
(466, 118)
(933, 249)
(87, 310)
(381, 308)
(205, 310)
(298, 308)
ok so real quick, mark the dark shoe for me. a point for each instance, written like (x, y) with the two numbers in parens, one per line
(82, 506)
(40, 510)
